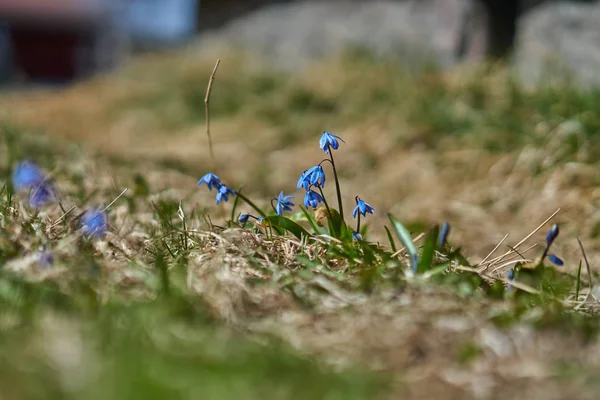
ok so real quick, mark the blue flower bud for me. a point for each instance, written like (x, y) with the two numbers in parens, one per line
(555, 260)
(443, 234)
(243, 218)
(511, 274)
(551, 235)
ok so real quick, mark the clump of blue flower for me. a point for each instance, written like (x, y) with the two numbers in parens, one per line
(41, 195)
(315, 176)
(223, 192)
(27, 174)
(94, 223)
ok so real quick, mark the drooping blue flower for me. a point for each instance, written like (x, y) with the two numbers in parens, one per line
(26, 174)
(224, 192)
(211, 180)
(41, 195)
(94, 222)
(312, 199)
(552, 234)
(283, 203)
(556, 260)
(314, 176)
(329, 140)
(303, 182)
(317, 176)
(243, 218)
(443, 234)
(362, 207)
(356, 236)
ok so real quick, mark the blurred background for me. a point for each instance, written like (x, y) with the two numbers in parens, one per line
(62, 40)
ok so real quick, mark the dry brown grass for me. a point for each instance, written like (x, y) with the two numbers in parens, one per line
(417, 334)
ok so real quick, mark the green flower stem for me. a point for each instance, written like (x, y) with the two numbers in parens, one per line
(358, 224)
(337, 184)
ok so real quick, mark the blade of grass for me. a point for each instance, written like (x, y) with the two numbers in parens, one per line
(391, 239)
(311, 220)
(428, 250)
(406, 240)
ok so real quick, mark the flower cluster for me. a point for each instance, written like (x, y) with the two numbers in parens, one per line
(223, 192)
(312, 181)
(28, 177)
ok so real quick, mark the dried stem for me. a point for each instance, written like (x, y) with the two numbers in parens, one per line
(207, 110)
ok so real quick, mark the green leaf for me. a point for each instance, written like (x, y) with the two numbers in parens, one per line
(391, 239)
(287, 224)
(406, 240)
(428, 251)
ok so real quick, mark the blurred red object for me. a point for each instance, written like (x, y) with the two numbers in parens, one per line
(55, 40)
(50, 11)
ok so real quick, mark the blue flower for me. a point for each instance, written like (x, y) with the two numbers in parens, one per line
(94, 223)
(26, 174)
(283, 203)
(314, 176)
(45, 259)
(356, 236)
(223, 194)
(511, 274)
(551, 235)
(555, 260)
(443, 234)
(243, 218)
(41, 195)
(362, 207)
(211, 180)
(312, 199)
(329, 140)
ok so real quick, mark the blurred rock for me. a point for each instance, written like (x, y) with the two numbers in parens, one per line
(558, 41)
(441, 32)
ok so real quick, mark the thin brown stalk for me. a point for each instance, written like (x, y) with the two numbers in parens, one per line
(207, 110)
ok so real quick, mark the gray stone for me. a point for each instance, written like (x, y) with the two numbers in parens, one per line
(441, 32)
(557, 42)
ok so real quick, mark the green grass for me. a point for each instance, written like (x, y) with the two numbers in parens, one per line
(52, 347)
